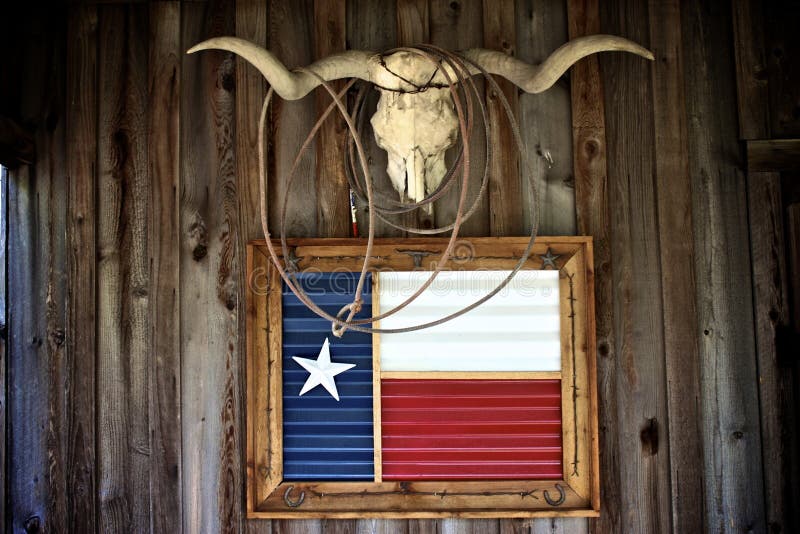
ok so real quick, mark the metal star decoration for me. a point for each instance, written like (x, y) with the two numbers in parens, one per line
(322, 370)
(548, 258)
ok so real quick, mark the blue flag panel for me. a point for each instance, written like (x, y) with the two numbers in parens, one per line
(324, 439)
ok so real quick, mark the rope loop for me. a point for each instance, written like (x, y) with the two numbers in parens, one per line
(463, 91)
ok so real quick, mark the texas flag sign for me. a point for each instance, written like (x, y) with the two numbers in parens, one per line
(476, 398)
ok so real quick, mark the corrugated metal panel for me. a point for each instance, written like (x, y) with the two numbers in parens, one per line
(521, 323)
(471, 429)
(324, 439)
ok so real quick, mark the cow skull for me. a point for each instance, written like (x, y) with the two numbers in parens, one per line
(416, 127)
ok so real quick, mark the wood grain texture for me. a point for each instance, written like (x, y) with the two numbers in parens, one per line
(163, 236)
(641, 430)
(36, 252)
(377, 375)
(81, 150)
(729, 401)
(123, 278)
(27, 407)
(52, 198)
(459, 26)
(373, 26)
(333, 206)
(291, 40)
(777, 396)
(770, 286)
(546, 128)
(752, 85)
(783, 67)
(505, 186)
(674, 212)
(773, 155)
(209, 293)
(593, 218)
(413, 22)
(545, 122)
(251, 24)
(792, 235)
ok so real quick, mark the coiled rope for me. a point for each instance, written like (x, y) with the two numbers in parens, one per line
(463, 91)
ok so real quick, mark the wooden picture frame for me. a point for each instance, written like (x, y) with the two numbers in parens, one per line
(576, 494)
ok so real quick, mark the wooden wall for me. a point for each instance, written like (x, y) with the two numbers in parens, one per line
(124, 333)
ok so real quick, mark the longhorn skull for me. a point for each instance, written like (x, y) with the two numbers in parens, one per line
(416, 127)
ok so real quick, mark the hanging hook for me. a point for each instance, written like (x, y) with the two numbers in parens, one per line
(562, 496)
(288, 500)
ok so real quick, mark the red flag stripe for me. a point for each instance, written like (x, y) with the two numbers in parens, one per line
(471, 429)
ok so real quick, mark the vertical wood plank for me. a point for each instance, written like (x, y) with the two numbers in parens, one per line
(81, 160)
(674, 211)
(28, 490)
(752, 87)
(413, 22)
(373, 26)
(385, 526)
(122, 271)
(641, 429)
(333, 206)
(545, 121)
(468, 526)
(777, 396)
(251, 24)
(505, 186)
(210, 271)
(733, 483)
(545, 126)
(783, 66)
(770, 291)
(52, 193)
(37, 377)
(459, 26)
(25, 439)
(290, 39)
(258, 406)
(594, 218)
(164, 380)
(792, 519)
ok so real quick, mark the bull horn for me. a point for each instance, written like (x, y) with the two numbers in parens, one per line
(538, 78)
(292, 85)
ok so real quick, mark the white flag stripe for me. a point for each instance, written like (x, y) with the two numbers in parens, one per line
(516, 330)
(485, 323)
(469, 358)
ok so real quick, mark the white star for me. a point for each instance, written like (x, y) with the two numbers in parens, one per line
(322, 371)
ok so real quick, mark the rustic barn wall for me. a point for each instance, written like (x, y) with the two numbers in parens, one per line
(124, 334)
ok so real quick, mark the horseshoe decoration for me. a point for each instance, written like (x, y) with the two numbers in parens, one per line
(562, 496)
(294, 504)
